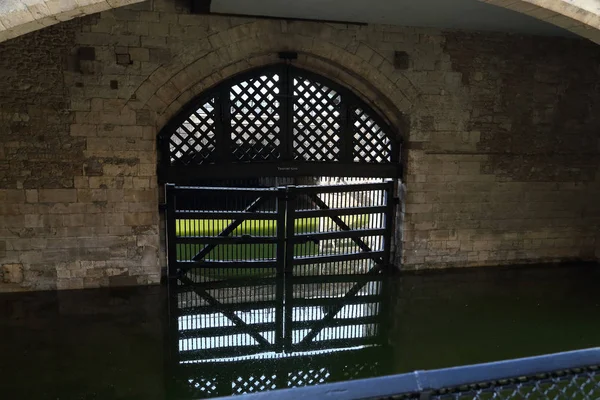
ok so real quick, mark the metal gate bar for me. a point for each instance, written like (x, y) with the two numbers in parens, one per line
(323, 210)
(380, 206)
(232, 227)
(196, 218)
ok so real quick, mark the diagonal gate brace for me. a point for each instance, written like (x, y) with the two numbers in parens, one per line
(359, 242)
(228, 313)
(337, 308)
(229, 229)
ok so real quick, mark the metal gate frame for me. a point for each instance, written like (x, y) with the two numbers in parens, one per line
(211, 242)
(285, 238)
(381, 258)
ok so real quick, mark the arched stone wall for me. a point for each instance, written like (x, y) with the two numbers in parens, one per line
(258, 43)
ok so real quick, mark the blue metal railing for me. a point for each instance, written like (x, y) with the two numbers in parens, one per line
(571, 375)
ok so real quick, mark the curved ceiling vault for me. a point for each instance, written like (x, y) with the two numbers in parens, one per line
(18, 17)
(582, 17)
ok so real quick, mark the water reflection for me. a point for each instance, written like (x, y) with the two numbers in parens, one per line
(246, 337)
(140, 343)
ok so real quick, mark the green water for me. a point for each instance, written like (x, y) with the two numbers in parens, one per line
(122, 343)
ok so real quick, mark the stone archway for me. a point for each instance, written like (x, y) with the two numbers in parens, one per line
(258, 43)
(220, 56)
(18, 17)
(278, 119)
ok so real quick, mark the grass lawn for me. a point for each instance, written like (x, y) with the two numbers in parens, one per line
(228, 252)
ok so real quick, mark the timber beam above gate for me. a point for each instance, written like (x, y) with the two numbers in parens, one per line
(189, 174)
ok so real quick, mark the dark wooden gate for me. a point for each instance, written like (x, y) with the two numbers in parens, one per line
(232, 232)
(278, 120)
(283, 269)
(353, 246)
(275, 268)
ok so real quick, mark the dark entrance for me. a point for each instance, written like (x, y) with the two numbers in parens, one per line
(266, 258)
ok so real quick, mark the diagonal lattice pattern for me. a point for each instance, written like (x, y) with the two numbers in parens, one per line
(279, 114)
(193, 142)
(308, 377)
(253, 384)
(255, 119)
(363, 370)
(563, 385)
(317, 121)
(369, 142)
(204, 386)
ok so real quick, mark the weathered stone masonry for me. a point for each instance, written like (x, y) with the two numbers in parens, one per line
(501, 132)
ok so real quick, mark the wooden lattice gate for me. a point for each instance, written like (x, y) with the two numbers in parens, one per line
(272, 267)
(277, 121)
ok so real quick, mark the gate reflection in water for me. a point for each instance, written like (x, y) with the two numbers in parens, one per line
(227, 341)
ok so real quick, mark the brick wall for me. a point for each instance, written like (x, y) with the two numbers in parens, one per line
(502, 137)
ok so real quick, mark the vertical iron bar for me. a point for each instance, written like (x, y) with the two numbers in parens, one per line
(223, 129)
(281, 258)
(345, 142)
(287, 106)
(171, 231)
(229, 248)
(386, 309)
(389, 225)
(291, 200)
(348, 132)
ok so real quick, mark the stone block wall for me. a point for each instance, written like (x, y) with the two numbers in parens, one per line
(511, 176)
(78, 195)
(500, 131)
